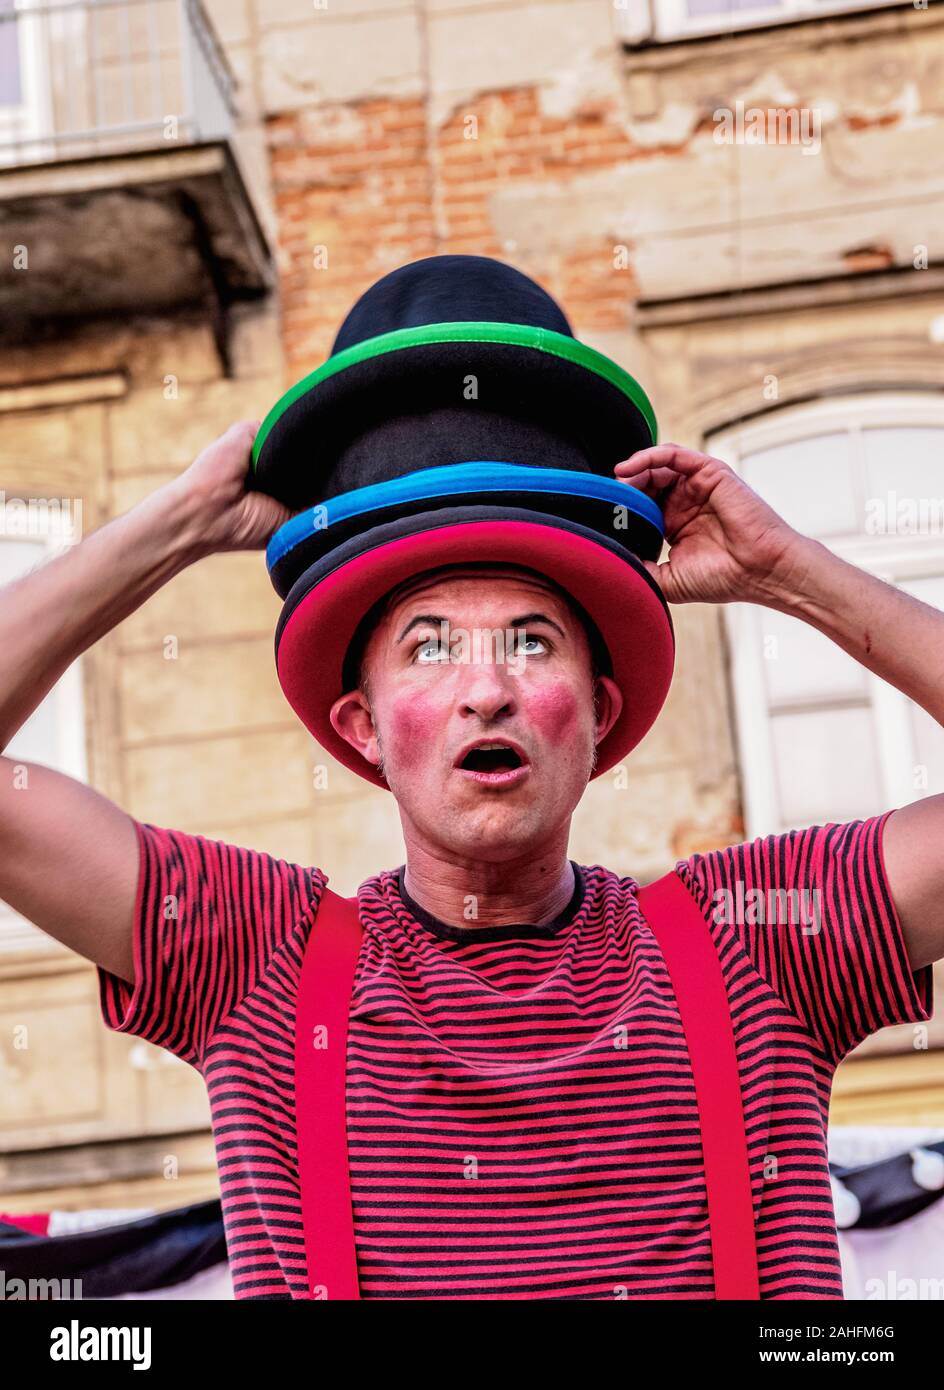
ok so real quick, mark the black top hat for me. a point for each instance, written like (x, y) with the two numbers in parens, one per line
(448, 359)
(458, 418)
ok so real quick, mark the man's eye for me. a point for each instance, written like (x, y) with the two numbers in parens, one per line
(430, 649)
(519, 643)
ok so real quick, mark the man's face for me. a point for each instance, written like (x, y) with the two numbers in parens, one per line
(467, 656)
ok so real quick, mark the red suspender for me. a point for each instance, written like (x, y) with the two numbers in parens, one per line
(695, 971)
(324, 998)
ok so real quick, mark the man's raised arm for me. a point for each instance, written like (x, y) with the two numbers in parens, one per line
(728, 545)
(68, 855)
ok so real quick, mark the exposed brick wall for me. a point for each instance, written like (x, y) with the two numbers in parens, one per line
(365, 182)
(357, 182)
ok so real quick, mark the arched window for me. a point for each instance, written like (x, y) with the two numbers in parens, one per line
(820, 737)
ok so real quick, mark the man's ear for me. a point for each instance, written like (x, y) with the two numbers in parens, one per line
(351, 718)
(608, 705)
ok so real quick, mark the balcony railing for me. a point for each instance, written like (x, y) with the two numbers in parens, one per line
(87, 77)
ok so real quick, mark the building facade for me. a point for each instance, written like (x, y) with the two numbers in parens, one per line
(741, 204)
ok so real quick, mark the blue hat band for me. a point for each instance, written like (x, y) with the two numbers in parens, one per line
(458, 480)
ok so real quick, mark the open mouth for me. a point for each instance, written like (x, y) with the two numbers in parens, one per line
(494, 763)
(493, 758)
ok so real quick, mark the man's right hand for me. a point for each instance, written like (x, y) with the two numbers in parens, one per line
(224, 514)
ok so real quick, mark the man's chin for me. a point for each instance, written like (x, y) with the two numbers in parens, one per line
(508, 822)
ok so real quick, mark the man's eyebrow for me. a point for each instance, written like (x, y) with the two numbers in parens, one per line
(525, 620)
(530, 619)
(433, 619)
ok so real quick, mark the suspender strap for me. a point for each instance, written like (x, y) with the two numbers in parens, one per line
(324, 999)
(695, 971)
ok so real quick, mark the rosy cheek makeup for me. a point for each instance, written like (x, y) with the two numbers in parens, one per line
(554, 711)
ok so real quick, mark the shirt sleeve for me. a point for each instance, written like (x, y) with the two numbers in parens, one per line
(209, 917)
(814, 911)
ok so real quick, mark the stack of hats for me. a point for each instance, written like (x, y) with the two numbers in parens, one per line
(459, 420)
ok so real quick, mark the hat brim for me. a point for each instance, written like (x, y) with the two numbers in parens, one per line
(606, 506)
(573, 391)
(327, 602)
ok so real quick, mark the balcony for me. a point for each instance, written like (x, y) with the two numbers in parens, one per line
(121, 183)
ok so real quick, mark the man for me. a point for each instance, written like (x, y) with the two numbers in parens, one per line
(521, 1117)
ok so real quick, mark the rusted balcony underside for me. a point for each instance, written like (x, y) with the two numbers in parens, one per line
(145, 232)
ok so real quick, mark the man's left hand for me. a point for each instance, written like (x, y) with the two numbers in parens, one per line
(725, 542)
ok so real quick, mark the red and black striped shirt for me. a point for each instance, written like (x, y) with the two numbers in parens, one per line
(521, 1112)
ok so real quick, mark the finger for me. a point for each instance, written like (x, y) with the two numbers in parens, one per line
(244, 435)
(659, 477)
(642, 479)
(662, 574)
(673, 456)
(244, 430)
(654, 482)
(665, 579)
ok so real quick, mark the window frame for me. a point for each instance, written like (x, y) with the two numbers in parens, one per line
(898, 559)
(24, 123)
(667, 21)
(71, 753)
(16, 931)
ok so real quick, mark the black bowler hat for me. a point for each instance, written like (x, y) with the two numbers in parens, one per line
(458, 420)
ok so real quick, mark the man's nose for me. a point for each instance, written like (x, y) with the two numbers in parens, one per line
(487, 689)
